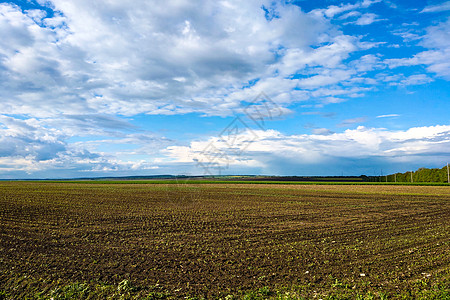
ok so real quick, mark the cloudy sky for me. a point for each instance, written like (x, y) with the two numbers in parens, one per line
(112, 87)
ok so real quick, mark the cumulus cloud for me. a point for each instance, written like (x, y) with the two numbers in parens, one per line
(367, 19)
(114, 58)
(322, 131)
(30, 146)
(170, 58)
(352, 146)
(165, 58)
(350, 15)
(437, 58)
(74, 73)
(334, 10)
(416, 80)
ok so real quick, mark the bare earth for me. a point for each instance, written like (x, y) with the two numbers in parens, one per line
(214, 240)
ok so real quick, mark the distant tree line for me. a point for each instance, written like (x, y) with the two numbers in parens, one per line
(421, 175)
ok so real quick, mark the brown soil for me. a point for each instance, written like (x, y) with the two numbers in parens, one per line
(217, 239)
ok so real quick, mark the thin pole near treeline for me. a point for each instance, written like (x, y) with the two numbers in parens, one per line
(448, 174)
(411, 176)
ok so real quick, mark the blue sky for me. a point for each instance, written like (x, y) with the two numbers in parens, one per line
(110, 88)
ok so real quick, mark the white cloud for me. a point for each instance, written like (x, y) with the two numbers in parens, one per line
(367, 19)
(417, 79)
(319, 148)
(329, 56)
(367, 62)
(27, 146)
(437, 8)
(171, 57)
(39, 145)
(334, 10)
(69, 82)
(329, 78)
(350, 15)
(437, 59)
(156, 58)
(408, 35)
(329, 100)
(437, 36)
(322, 131)
(389, 116)
(350, 122)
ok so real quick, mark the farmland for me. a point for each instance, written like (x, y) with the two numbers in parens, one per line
(154, 241)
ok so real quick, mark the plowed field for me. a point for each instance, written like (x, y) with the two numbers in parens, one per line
(223, 240)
